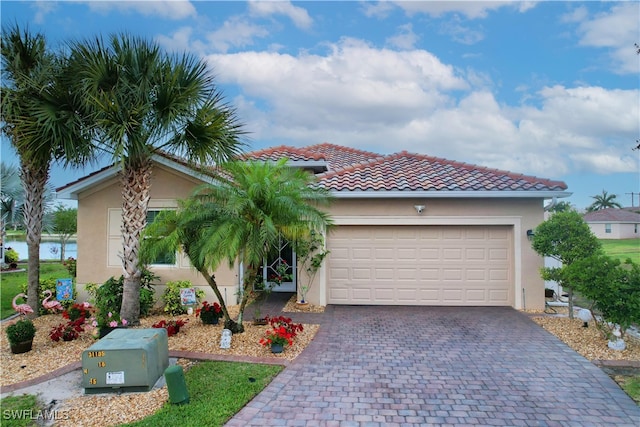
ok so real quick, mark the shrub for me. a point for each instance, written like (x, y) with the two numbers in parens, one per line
(71, 265)
(67, 331)
(172, 326)
(171, 297)
(11, 256)
(107, 298)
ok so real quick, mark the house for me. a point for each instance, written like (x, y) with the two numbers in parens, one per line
(410, 229)
(612, 223)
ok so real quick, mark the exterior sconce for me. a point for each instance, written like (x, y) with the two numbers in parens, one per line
(530, 234)
(419, 208)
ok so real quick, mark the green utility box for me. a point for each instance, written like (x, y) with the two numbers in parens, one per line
(125, 360)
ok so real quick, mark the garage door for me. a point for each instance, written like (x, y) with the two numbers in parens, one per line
(420, 265)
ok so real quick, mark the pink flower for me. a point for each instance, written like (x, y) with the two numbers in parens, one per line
(109, 314)
(113, 324)
(124, 322)
(94, 324)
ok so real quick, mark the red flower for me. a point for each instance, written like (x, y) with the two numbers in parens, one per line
(172, 326)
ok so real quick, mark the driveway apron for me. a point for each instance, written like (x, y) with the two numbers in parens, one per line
(386, 366)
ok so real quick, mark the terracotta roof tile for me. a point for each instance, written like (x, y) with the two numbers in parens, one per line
(417, 172)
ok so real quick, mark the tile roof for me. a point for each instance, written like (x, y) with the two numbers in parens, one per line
(612, 215)
(416, 172)
(352, 170)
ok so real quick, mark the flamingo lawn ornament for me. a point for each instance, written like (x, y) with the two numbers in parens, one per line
(51, 305)
(23, 309)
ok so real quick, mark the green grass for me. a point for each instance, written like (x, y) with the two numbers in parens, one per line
(622, 249)
(217, 391)
(10, 283)
(632, 387)
(19, 411)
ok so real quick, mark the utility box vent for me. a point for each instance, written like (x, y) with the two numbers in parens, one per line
(125, 360)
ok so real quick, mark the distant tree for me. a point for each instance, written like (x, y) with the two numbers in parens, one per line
(603, 201)
(65, 225)
(561, 207)
(566, 237)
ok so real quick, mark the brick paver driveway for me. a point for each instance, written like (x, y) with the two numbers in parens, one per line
(385, 366)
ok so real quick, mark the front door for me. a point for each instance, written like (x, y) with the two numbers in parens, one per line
(279, 272)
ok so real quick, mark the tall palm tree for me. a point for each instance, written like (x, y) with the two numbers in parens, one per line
(239, 219)
(603, 201)
(42, 119)
(145, 101)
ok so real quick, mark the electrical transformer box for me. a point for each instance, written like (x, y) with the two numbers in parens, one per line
(125, 360)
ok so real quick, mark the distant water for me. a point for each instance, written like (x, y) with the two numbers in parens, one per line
(49, 250)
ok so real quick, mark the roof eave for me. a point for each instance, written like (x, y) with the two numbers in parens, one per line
(72, 191)
(408, 194)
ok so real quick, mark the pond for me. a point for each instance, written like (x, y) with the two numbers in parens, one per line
(49, 249)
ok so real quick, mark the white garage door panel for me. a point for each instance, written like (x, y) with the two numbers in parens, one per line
(420, 265)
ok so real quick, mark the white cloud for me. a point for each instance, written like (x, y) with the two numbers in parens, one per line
(461, 33)
(235, 32)
(616, 30)
(470, 9)
(180, 41)
(404, 39)
(42, 9)
(168, 9)
(298, 15)
(384, 100)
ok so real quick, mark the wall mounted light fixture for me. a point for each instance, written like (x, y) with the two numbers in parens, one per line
(530, 234)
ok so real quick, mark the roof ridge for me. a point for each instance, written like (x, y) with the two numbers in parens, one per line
(342, 148)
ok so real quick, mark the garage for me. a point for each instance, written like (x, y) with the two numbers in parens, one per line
(421, 265)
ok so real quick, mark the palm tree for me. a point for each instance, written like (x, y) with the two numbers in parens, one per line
(144, 102)
(239, 219)
(603, 201)
(42, 120)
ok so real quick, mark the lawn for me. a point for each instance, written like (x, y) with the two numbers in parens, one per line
(622, 249)
(217, 391)
(11, 283)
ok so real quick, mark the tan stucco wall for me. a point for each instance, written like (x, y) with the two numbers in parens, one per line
(93, 235)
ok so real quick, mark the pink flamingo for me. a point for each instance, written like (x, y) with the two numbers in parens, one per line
(23, 309)
(51, 305)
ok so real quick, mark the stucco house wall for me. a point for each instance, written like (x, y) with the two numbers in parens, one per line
(618, 230)
(99, 238)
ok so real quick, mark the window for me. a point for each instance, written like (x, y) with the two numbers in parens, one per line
(635, 228)
(607, 228)
(168, 258)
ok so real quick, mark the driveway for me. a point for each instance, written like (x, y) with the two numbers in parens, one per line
(386, 366)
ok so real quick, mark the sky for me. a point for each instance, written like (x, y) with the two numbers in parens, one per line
(550, 88)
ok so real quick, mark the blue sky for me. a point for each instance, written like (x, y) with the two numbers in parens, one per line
(542, 88)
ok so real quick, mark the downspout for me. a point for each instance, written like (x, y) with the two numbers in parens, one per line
(554, 201)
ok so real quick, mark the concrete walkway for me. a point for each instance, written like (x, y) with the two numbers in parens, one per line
(403, 366)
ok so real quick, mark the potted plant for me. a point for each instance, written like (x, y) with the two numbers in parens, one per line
(210, 314)
(20, 336)
(282, 333)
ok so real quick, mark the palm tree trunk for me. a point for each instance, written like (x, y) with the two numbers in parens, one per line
(34, 180)
(136, 186)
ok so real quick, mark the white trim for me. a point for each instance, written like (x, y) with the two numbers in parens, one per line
(514, 221)
(459, 194)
